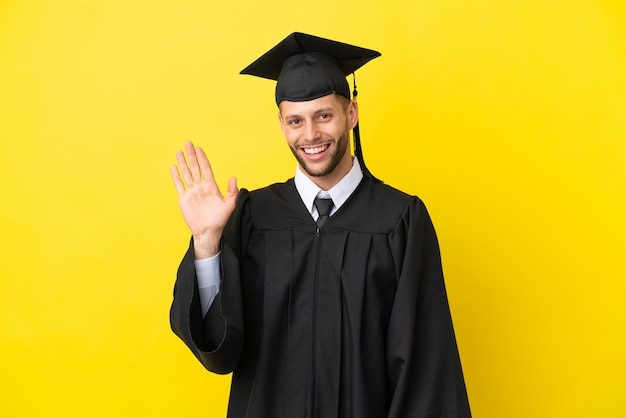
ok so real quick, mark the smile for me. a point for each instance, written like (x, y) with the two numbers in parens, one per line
(315, 150)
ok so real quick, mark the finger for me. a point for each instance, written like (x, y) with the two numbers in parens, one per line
(184, 169)
(178, 183)
(205, 165)
(192, 160)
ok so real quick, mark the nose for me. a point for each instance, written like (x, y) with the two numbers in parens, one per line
(311, 132)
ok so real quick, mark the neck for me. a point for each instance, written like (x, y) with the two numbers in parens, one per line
(329, 181)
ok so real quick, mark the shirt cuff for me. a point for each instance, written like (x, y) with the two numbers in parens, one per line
(208, 273)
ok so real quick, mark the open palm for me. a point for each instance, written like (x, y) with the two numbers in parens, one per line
(205, 209)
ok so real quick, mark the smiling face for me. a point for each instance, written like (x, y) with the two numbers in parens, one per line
(318, 131)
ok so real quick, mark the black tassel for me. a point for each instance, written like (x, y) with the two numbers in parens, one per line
(358, 152)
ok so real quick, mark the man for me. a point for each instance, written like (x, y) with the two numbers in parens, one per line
(324, 295)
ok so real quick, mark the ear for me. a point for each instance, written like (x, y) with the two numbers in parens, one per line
(281, 122)
(353, 114)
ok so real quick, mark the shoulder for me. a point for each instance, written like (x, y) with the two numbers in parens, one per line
(270, 207)
(383, 196)
(376, 207)
(382, 189)
(274, 194)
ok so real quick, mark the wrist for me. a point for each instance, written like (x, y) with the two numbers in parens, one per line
(206, 245)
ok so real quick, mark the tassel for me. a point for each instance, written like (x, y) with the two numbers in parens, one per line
(358, 152)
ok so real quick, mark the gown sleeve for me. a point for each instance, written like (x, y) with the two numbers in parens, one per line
(424, 370)
(217, 339)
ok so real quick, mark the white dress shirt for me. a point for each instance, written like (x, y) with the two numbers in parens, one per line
(208, 270)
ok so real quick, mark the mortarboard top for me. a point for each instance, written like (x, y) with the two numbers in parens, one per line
(308, 67)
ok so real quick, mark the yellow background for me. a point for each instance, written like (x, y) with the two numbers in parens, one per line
(507, 117)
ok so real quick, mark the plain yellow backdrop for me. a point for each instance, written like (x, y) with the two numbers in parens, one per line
(508, 118)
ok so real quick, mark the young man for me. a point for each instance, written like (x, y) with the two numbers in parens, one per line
(324, 295)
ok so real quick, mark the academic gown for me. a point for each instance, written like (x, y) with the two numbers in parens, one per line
(347, 320)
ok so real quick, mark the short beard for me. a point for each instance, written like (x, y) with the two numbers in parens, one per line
(335, 158)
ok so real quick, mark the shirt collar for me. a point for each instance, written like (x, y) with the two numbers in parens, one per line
(340, 192)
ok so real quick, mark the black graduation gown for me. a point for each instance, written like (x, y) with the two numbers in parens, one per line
(350, 320)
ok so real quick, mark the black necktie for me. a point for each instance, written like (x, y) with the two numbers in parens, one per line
(323, 208)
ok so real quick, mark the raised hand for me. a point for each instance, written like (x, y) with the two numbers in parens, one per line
(204, 208)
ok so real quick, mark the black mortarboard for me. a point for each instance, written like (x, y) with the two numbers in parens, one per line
(308, 67)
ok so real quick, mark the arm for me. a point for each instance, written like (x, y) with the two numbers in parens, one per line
(424, 369)
(216, 339)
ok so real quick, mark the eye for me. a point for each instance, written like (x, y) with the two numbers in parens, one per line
(324, 116)
(293, 122)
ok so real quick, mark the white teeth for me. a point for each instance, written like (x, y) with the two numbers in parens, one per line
(315, 150)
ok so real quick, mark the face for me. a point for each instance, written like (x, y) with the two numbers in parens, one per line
(318, 132)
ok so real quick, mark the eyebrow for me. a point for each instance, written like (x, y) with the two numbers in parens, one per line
(317, 112)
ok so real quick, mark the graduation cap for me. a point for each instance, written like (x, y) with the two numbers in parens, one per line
(308, 67)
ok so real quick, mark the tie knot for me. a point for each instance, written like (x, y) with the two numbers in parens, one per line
(323, 206)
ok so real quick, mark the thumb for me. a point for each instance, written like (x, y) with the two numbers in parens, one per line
(232, 188)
